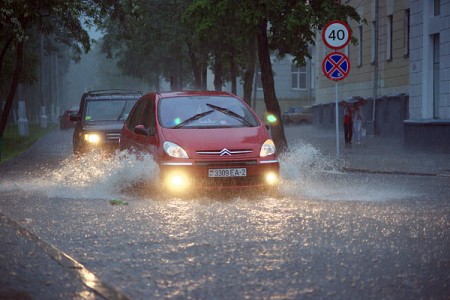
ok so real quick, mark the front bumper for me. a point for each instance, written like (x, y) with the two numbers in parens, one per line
(194, 175)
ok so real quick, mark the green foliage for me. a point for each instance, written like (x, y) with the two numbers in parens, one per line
(148, 39)
(13, 144)
(22, 21)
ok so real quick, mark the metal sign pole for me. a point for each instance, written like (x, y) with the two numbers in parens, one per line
(337, 121)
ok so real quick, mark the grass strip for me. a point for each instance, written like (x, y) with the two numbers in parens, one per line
(13, 144)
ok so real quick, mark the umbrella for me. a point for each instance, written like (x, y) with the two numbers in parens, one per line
(353, 101)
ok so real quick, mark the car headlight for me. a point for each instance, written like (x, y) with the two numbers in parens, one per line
(271, 178)
(92, 138)
(268, 148)
(174, 150)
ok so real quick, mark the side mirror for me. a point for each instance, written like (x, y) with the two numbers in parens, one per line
(141, 130)
(75, 117)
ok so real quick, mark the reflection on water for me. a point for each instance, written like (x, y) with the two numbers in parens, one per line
(305, 172)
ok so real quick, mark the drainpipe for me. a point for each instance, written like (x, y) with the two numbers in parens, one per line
(375, 68)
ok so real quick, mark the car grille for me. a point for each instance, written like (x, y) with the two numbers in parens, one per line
(224, 152)
(112, 136)
(224, 164)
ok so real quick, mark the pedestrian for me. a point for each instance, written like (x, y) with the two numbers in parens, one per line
(348, 126)
(357, 124)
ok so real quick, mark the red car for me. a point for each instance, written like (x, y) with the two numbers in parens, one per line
(202, 139)
(64, 120)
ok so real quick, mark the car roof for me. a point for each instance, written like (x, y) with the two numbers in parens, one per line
(113, 94)
(192, 93)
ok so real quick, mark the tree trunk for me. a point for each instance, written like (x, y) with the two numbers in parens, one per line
(233, 71)
(196, 69)
(13, 87)
(218, 71)
(204, 76)
(3, 53)
(250, 70)
(270, 98)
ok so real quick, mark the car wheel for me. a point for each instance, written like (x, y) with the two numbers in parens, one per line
(76, 147)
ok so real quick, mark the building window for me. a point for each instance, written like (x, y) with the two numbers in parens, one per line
(436, 78)
(437, 7)
(389, 32)
(298, 77)
(360, 45)
(406, 32)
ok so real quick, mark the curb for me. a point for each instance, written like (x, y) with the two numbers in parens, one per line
(356, 170)
(72, 266)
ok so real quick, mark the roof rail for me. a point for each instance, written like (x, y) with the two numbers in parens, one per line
(113, 91)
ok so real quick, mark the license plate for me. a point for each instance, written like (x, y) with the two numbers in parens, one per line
(235, 172)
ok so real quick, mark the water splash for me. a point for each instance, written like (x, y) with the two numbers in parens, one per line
(307, 173)
(92, 175)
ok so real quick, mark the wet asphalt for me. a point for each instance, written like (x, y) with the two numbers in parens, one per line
(330, 245)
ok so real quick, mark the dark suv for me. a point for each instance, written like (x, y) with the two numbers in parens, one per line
(100, 119)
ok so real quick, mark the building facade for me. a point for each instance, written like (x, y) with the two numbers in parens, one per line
(428, 126)
(294, 86)
(401, 63)
(378, 57)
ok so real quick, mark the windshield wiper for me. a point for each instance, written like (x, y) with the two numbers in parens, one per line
(193, 118)
(230, 113)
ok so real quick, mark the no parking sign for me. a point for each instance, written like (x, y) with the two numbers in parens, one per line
(336, 66)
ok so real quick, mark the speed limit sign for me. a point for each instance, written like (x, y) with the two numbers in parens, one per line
(336, 34)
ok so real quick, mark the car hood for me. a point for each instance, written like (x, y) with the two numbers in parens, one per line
(103, 126)
(217, 139)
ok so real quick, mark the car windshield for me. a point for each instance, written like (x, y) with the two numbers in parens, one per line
(108, 109)
(204, 112)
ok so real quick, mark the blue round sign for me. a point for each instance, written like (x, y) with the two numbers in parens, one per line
(336, 66)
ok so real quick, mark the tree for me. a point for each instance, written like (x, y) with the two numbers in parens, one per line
(283, 27)
(224, 34)
(59, 18)
(149, 41)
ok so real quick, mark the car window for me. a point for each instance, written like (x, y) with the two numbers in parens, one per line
(148, 116)
(136, 114)
(108, 110)
(214, 111)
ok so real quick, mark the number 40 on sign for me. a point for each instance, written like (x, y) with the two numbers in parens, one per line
(336, 35)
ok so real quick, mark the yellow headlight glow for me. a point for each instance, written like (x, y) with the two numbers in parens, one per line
(177, 182)
(271, 178)
(92, 138)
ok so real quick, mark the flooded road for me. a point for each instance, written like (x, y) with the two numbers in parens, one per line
(329, 234)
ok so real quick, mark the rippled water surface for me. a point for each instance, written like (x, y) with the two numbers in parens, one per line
(328, 233)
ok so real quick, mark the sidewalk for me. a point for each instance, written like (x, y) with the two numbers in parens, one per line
(375, 154)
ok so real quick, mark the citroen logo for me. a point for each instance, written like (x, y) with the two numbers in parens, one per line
(225, 151)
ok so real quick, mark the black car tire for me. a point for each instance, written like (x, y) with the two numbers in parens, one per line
(76, 146)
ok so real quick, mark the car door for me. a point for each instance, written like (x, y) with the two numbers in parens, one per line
(149, 140)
